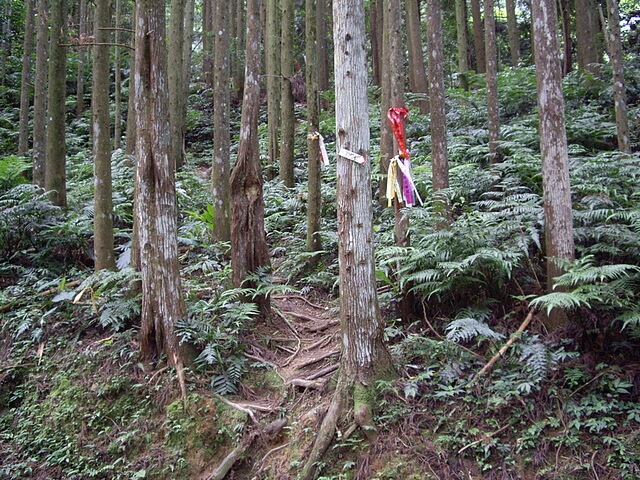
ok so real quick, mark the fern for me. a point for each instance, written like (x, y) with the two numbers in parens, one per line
(12, 172)
(466, 329)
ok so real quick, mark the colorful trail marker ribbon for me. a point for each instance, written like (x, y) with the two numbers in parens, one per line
(400, 184)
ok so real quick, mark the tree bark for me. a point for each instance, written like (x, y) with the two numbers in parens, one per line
(82, 59)
(272, 64)
(491, 56)
(617, 66)
(155, 195)
(207, 41)
(364, 357)
(512, 30)
(40, 95)
(314, 199)
(237, 67)
(176, 81)
(55, 156)
(131, 135)
(478, 36)
(553, 147)
(117, 74)
(588, 48)
(103, 243)
(439, 156)
(25, 87)
(375, 35)
(323, 9)
(287, 117)
(220, 173)
(417, 71)
(249, 250)
(462, 31)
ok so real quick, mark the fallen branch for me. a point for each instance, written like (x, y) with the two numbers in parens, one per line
(302, 316)
(514, 337)
(241, 408)
(484, 437)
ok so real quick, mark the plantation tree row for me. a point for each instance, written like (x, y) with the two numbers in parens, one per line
(148, 56)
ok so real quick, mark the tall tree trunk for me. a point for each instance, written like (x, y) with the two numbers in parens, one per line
(249, 250)
(617, 66)
(103, 243)
(417, 72)
(117, 73)
(553, 147)
(82, 59)
(462, 31)
(439, 156)
(512, 28)
(287, 117)
(364, 357)
(207, 41)
(375, 35)
(176, 80)
(40, 95)
(220, 172)
(314, 199)
(155, 195)
(567, 42)
(55, 157)
(493, 113)
(25, 87)
(588, 48)
(187, 50)
(272, 64)
(5, 45)
(323, 9)
(131, 135)
(478, 36)
(237, 67)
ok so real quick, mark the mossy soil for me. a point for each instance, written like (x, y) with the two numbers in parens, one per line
(79, 405)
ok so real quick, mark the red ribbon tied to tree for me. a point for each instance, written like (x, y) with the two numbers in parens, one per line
(396, 117)
(400, 182)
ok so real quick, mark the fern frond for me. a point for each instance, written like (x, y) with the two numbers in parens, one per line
(562, 300)
(465, 329)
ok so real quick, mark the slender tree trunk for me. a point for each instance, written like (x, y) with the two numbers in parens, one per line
(5, 45)
(82, 59)
(375, 35)
(439, 156)
(131, 135)
(237, 67)
(103, 243)
(619, 90)
(512, 29)
(314, 199)
(478, 36)
(588, 48)
(323, 9)
(417, 72)
(155, 196)
(364, 357)
(553, 147)
(567, 43)
(462, 31)
(176, 79)
(493, 113)
(25, 87)
(117, 73)
(187, 49)
(40, 95)
(207, 41)
(272, 64)
(55, 156)
(249, 250)
(220, 172)
(287, 118)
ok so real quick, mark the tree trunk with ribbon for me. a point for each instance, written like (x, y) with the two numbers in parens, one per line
(364, 357)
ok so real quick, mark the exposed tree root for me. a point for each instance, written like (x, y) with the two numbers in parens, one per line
(237, 453)
(313, 360)
(348, 390)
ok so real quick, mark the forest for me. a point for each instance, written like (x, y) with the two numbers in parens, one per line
(320, 239)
